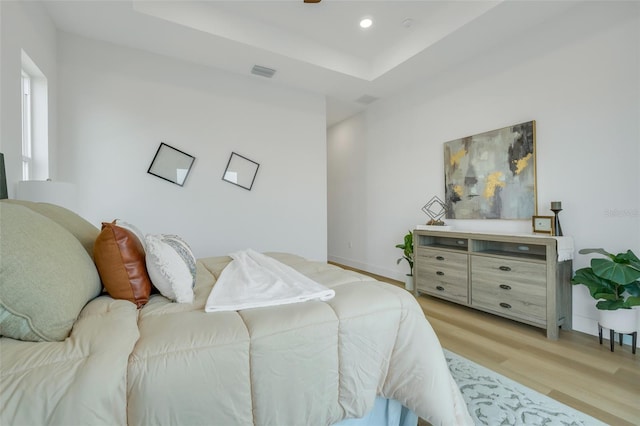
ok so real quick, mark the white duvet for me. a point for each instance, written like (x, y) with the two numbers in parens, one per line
(253, 280)
(312, 363)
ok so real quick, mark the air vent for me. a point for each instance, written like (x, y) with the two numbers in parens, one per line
(366, 99)
(262, 71)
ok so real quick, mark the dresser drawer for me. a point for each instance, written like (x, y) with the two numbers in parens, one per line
(456, 292)
(443, 274)
(511, 287)
(441, 260)
(506, 270)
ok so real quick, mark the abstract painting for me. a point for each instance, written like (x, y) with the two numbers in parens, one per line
(492, 175)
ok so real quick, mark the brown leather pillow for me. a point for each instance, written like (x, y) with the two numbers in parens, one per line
(119, 257)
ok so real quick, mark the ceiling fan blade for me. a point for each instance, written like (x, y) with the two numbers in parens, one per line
(312, 1)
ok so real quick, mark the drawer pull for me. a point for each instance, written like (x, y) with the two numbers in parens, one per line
(439, 273)
(504, 268)
(505, 305)
(439, 288)
(505, 287)
(439, 258)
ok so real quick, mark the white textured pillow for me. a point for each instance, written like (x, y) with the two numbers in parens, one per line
(137, 232)
(171, 266)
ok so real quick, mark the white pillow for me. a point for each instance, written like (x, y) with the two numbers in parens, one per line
(134, 229)
(171, 266)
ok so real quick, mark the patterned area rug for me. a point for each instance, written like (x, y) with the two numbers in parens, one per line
(494, 399)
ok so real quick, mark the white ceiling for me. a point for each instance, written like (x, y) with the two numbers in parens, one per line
(316, 47)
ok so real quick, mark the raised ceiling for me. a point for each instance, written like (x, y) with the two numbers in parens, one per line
(316, 47)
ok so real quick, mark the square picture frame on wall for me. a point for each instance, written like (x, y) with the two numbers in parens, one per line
(171, 164)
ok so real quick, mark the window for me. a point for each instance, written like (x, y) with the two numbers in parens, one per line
(35, 121)
(27, 160)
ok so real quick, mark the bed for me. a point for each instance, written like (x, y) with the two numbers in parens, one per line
(367, 350)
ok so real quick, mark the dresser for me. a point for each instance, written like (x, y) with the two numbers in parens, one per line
(519, 277)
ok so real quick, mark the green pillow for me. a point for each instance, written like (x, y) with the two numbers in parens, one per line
(46, 276)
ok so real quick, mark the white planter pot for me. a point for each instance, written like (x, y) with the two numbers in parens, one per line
(621, 320)
(408, 282)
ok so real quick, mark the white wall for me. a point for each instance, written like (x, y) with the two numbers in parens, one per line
(347, 213)
(25, 25)
(577, 76)
(117, 104)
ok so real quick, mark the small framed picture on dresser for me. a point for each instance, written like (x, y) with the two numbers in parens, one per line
(542, 224)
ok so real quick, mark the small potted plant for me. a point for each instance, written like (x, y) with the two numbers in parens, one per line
(615, 283)
(407, 249)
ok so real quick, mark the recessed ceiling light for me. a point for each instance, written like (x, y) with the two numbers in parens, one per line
(366, 22)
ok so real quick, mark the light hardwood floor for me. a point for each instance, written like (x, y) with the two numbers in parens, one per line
(575, 369)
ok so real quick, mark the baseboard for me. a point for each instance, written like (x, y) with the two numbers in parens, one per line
(388, 273)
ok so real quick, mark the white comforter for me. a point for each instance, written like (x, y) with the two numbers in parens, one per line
(311, 363)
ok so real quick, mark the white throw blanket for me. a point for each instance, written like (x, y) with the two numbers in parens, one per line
(254, 280)
(565, 248)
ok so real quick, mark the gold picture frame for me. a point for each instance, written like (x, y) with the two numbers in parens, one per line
(543, 224)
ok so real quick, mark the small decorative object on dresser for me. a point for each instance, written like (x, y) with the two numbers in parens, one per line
(615, 283)
(556, 207)
(407, 251)
(522, 277)
(435, 209)
(543, 224)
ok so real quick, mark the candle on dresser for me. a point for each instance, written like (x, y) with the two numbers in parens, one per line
(556, 207)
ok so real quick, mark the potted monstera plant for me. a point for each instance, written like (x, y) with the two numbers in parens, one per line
(407, 251)
(614, 281)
